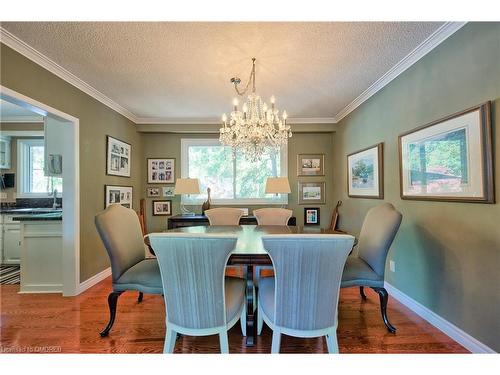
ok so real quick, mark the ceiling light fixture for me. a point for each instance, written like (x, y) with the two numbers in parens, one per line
(256, 127)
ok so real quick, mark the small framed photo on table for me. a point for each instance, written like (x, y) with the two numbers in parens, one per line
(162, 208)
(118, 195)
(118, 157)
(311, 216)
(161, 171)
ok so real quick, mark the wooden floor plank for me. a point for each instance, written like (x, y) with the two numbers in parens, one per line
(72, 325)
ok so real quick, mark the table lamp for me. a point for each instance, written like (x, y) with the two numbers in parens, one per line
(186, 186)
(277, 185)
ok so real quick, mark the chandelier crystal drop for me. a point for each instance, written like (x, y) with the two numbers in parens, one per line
(256, 127)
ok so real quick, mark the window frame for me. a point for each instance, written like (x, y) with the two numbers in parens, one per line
(282, 199)
(24, 168)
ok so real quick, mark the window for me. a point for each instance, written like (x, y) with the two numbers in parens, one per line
(32, 181)
(231, 180)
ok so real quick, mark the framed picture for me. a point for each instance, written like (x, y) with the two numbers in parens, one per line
(118, 157)
(311, 216)
(310, 165)
(162, 208)
(161, 171)
(365, 173)
(168, 191)
(449, 159)
(311, 192)
(153, 192)
(118, 195)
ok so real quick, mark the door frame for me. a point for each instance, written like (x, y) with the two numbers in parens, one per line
(71, 192)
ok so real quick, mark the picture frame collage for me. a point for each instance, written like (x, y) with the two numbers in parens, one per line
(118, 163)
(161, 171)
(311, 192)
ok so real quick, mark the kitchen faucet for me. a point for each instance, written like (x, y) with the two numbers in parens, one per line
(54, 194)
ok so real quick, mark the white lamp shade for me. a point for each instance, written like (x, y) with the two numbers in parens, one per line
(187, 186)
(277, 185)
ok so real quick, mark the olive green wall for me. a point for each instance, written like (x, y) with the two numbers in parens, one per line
(169, 146)
(447, 254)
(96, 121)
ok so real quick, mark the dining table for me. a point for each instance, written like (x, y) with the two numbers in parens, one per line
(248, 253)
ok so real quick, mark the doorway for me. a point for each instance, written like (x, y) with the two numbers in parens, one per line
(69, 131)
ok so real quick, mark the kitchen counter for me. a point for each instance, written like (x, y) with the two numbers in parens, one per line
(39, 217)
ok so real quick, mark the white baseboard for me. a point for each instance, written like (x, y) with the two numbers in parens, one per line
(94, 280)
(40, 288)
(463, 338)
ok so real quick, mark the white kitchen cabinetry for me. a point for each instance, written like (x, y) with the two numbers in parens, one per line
(11, 241)
(55, 142)
(4, 152)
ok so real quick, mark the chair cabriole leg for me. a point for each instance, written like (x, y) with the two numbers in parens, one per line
(362, 292)
(384, 298)
(112, 302)
(141, 296)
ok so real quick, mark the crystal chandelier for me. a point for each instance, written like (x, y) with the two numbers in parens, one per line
(256, 127)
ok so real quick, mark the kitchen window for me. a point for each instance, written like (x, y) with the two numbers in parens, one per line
(231, 180)
(31, 181)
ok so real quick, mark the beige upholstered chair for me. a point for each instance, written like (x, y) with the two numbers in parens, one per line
(199, 300)
(367, 266)
(224, 216)
(302, 299)
(272, 216)
(121, 233)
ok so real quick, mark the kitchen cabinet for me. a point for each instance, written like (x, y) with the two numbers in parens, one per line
(4, 152)
(11, 241)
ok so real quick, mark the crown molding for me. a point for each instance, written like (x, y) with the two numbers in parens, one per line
(217, 121)
(436, 38)
(39, 58)
(23, 119)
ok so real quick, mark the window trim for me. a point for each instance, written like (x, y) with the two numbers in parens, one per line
(23, 182)
(187, 142)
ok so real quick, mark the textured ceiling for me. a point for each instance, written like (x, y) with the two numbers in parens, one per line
(181, 70)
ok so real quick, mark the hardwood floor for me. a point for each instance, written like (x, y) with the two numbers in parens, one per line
(52, 323)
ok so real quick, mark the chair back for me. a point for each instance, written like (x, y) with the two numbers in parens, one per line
(224, 216)
(121, 233)
(272, 216)
(192, 270)
(308, 270)
(377, 233)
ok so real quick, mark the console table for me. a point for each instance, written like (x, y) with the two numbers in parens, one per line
(179, 221)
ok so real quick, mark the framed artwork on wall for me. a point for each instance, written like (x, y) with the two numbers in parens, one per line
(311, 216)
(118, 195)
(118, 157)
(449, 159)
(365, 173)
(310, 165)
(311, 192)
(161, 171)
(162, 208)
(168, 191)
(153, 192)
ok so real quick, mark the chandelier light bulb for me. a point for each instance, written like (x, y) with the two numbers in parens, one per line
(235, 102)
(245, 107)
(224, 118)
(273, 99)
(264, 107)
(285, 115)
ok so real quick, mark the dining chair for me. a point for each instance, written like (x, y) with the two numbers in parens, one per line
(199, 299)
(270, 216)
(299, 301)
(366, 267)
(224, 216)
(121, 234)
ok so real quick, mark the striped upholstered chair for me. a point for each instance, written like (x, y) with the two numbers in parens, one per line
(302, 299)
(199, 300)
